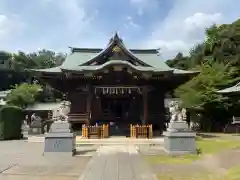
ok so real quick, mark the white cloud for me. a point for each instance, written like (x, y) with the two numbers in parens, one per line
(144, 5)
(9, 25)
(130, 23)
(58, 24)
(175, 45)
(185, 24)
(3, 25)
(202, 20)
(138, 1)
(179, 36)
(47, 24)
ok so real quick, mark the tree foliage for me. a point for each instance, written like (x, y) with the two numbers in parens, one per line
(218, 60)
(221, 44)
(13, 65)
(200, 92)
(23, 94)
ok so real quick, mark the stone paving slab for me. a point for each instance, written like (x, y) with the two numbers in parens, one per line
(21, 160)
(27, 177)
(117, 163)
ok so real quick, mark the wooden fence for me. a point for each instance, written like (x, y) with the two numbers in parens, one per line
(95, 131)
(141, 131)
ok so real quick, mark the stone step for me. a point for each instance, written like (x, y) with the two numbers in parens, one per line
(35, 139)
(109, 141)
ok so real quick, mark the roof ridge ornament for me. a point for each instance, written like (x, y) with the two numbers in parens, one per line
(115, 37)
(158, 51)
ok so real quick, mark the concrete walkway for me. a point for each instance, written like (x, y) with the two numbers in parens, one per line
(117, 163)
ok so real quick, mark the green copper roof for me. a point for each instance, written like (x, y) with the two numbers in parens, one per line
(77, 58)
(116, 62)
(154, 60)
(81, 59)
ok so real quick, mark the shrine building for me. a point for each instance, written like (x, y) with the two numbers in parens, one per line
(115, 84)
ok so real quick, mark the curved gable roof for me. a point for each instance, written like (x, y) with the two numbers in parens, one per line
(81, 58)
(115, 62)
(84, 56)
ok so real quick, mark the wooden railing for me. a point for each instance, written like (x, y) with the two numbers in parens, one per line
(95, 131)
(141, 131)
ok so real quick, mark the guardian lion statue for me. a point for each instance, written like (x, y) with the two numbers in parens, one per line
(177, 113)
(61, 112)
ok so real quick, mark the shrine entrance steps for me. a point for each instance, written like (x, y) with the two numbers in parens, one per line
(118, 140)
(121, 140)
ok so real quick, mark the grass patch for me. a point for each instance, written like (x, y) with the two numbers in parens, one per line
(165, 159)
(216, 145)
(169, 176)
(233, 174)
(206, 147)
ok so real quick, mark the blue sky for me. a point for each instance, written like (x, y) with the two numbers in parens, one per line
(172, 25)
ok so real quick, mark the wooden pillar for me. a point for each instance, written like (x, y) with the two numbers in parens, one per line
(99, 108)
(145, 106)
(89, 104)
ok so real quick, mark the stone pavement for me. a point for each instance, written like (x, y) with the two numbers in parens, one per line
(21, 160)
(117, 163)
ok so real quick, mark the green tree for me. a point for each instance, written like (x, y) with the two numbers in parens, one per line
(221, 44)
(13, 65)
(200, 92)
(213, 36)
(23, 94)
(179, 62)
(5, 58)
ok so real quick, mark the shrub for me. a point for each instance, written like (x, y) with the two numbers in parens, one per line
(11, 118)
(23, 94)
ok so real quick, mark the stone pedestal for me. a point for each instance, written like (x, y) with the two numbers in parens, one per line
(35, 127)
(60, 140)
(24, 131)
(178, 139)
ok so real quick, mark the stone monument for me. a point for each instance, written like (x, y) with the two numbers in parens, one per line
(179, 139)
(60, 139)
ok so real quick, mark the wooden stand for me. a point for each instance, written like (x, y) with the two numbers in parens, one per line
(141, 131)
(95, 132)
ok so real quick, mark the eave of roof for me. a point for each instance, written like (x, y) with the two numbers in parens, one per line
(179, 71)
(54, 70)
(233, 89)
(3, 94)
(43, 106)
(97, 50)
(57, 70)
(116, 62)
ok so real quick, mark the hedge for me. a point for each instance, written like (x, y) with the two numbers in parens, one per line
(11, 118)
